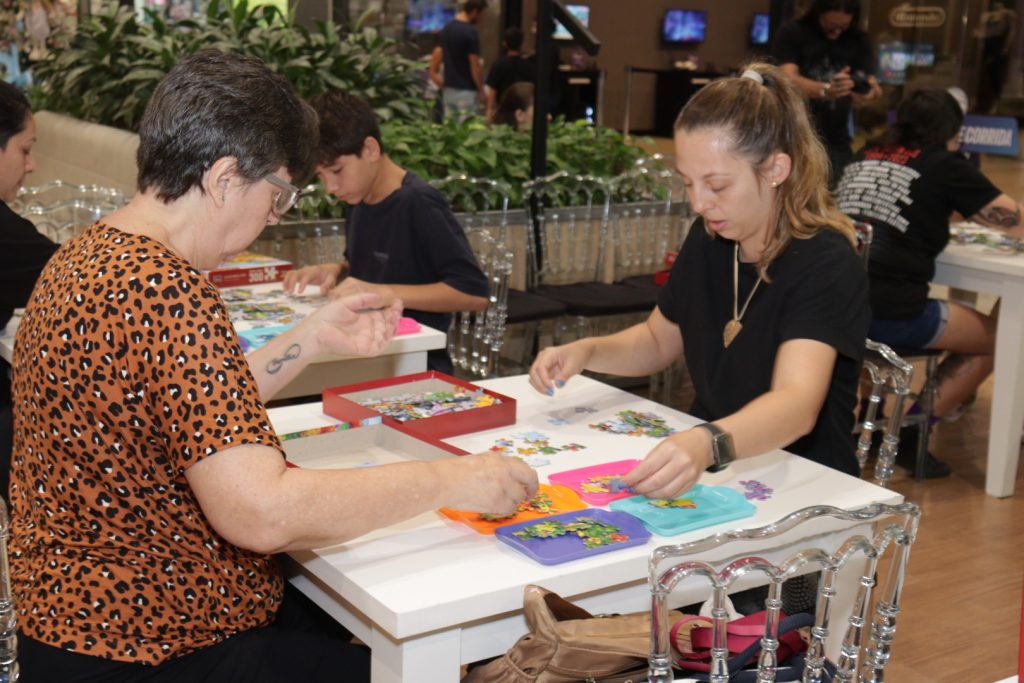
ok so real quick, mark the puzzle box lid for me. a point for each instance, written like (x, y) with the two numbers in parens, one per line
(343, 403)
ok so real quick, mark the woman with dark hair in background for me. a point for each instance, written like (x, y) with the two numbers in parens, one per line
(830, 59)
(767, 300)
(515, 108)
(149, 491)
(23, 250)
(907, 184)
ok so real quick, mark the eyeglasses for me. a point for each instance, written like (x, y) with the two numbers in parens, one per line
(286, 198)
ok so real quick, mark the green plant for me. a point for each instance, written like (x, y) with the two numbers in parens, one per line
(112, 62)
(476, 149)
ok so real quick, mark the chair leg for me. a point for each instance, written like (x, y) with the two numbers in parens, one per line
(928, 392)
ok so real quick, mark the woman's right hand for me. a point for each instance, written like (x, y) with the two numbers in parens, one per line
(325, 275)
(556, 364)
(487, 482)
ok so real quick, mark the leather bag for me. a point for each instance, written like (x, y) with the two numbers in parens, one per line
(567, 643)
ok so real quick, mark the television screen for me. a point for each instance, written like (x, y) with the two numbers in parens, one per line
(582, 14)
(428, 16)
(683, 26)
(759, 29)
(894, 59)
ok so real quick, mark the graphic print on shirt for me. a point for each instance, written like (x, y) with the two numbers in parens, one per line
(877, 190)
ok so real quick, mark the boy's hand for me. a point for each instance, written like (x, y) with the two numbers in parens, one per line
(351, 286)
(324, 275)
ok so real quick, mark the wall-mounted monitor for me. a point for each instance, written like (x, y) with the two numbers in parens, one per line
(582, 14)
(759, 27)
(895, 58)
(681, 26)
(428, 16)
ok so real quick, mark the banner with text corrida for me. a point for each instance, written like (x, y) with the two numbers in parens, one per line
(991, 134)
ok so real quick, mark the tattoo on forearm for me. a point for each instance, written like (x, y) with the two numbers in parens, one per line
(275, 364)
(1000, 217)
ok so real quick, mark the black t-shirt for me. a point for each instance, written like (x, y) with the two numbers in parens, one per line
(23, 253)
(458, 41)
(507, 71)
(818, 291)
(908, 196)
(818, 58)
(411, 238)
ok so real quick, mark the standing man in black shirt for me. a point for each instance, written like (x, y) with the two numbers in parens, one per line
(23, 251)
(830, 58)
(509, 69)
(462, 85)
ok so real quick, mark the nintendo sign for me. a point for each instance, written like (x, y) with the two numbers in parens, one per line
(908, 16)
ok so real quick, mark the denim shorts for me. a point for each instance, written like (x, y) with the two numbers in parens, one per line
(917, 333)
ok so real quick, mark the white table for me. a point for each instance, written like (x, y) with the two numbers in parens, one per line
(404, 355)
(981, 269)
(430, 594)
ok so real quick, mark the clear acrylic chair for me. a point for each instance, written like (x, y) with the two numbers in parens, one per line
(480, 205)
(925, 396)
(649, 218)
(60, 210)
(865, 534)
(571, 216)
(8, 617)
(888, 375)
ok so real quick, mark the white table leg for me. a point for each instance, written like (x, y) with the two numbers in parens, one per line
(433, 658)
(1007, 398)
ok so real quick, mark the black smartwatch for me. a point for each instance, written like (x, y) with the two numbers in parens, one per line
(721, 446)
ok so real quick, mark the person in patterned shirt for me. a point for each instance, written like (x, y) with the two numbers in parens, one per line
(148, 489)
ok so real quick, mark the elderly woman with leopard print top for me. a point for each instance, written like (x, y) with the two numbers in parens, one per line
(148, 489)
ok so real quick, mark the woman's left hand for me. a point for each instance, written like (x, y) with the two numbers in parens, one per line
(673, 466)
(357, 325)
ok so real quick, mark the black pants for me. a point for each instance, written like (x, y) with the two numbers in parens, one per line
(303, 645)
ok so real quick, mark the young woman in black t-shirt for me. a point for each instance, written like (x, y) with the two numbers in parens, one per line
(768, 299)
(907, 184)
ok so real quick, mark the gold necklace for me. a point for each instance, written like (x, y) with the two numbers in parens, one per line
(733, 327)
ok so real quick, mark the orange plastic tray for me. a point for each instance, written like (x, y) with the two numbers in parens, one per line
(563, 499)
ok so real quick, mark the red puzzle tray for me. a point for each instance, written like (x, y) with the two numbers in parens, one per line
(430, 404)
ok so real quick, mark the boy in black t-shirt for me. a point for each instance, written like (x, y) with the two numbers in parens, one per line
(401, 238)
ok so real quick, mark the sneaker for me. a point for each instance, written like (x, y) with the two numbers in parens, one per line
(906, 456)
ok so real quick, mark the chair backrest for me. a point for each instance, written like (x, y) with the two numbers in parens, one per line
(475, 337)
(60, 210)
(481, 207)
(570, 213)
(8, 616)
(889, 375)
(867, 639)
(865, 233)
(649, 217)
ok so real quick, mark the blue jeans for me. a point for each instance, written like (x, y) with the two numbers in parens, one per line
(460, 104)
(918, 333)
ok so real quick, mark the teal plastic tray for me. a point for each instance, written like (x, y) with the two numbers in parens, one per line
(714, 505)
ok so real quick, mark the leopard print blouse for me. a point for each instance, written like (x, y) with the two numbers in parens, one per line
(127, 371)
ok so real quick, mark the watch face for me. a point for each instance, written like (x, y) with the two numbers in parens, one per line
(723, 449)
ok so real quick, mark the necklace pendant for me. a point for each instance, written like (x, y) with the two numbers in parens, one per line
(732, 328)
